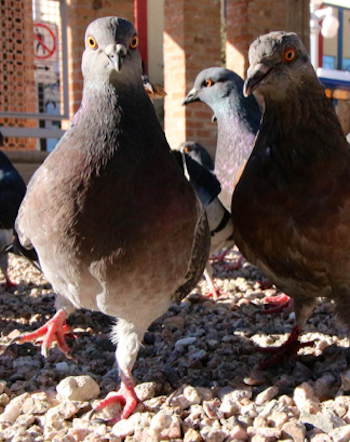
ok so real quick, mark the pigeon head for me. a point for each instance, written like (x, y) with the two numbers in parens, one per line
(214, 84)
(111, 53)
(278, 62)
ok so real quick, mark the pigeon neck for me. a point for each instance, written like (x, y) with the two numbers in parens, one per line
(306, 109)
(234, 146)
(106, 100)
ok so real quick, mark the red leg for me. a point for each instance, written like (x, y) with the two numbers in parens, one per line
(290, 348)
(220, 257)
(8, 284)
(54, 330)
(278, 304)
(125, 396)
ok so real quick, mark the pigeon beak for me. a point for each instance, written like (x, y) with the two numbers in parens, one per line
(191, 97)
(116, 54)
(254, 77)
(148, 87)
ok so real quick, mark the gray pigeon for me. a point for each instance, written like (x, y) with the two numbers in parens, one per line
(116, 225)
(296, 227)
(12, 191)
(199, 170)
(238, 120)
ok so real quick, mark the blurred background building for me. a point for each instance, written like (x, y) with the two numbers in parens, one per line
(42, 42)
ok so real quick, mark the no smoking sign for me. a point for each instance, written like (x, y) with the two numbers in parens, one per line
(44, 41)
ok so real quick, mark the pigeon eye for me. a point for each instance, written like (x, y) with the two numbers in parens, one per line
(185, 149)
(91, 42)
(208, 82)
(134, 42)
(289, 54)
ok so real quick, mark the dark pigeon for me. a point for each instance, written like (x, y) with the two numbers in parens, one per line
(116, 225)
(296, 224)
(199, 170)
(12, 191)
(238, 120)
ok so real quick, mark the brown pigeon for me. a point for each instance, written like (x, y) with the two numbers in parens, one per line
(116, 225)
(291, 207)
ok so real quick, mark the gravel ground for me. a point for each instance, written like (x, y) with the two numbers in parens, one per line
(197, 372)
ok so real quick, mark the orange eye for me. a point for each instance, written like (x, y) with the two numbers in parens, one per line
(91, 42)
(134, 42)
(185, 149)
(208, 82)
(289, 54)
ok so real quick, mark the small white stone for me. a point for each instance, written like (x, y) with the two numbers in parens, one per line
(11, 413)
(78, 388)
(3, 385)
(184, 342)
(266, 395)
(146, 390)
(62, 367)
(192, 395)
(341, 434)
(4, 399)
(239, 433)
(302, 394)
(210, 434)
(126, 427)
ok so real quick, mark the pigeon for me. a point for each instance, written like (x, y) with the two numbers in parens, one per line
(199, 170)
(115, 224)
(291, 206)
(153, 90)
(238, 120)
(12, 191)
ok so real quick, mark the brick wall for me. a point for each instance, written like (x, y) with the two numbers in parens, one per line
(191, 44)
(247, 19)
(17, 86)
(79, 14)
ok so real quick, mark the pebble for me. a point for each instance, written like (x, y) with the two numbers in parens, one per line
(305, 398)
(200, 363)
(62, 367)
(126, 427)
(341, 434)
(267, 395)
(296, 431)
(78, 388)
(185, 342)
(11, 413)
(146, 390)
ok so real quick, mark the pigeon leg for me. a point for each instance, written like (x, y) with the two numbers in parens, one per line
(214, 291)
(54, 330)
(128, 338)
(290, 348)
(221, 257)
(8, 284)
(125, 396)
(236, 266)
(278, 303)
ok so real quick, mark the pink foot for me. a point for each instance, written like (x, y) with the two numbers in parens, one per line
(220, 257)
(9, 284)
(54, 330)
(125, 396)
(289, 349)
(278, 303)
